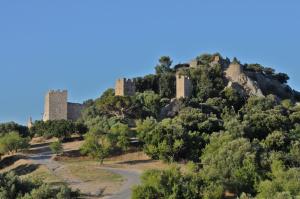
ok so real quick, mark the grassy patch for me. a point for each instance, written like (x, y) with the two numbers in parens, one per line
(88, 171)
(43, 173)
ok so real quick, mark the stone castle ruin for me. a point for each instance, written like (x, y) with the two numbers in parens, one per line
(247, 83)
(124, 87)
(184, 86)
(57, 107)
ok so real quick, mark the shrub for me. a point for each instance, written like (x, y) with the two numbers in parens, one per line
(12, 143)
(56, 147)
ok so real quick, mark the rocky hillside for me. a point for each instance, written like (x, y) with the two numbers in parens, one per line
(251, 79)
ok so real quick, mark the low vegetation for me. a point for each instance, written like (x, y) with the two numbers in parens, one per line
(61, 129)
(12, 142)
(12, 187)
(56, 147)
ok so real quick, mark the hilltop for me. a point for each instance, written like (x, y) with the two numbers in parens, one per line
(211, 128)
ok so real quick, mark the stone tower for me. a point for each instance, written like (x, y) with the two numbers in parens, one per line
(30, 123)
(124, 87)
(184, 86)
(56, 105)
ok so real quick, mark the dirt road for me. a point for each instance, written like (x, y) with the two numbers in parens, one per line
(132, 178)
(43, 156)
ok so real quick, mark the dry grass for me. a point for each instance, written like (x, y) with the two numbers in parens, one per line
(27, 170)
(89, 178)
(136, 161)
(43, 173)
(90, 171)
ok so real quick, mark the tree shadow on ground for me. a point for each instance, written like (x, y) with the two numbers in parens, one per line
(39, 145)
(99, 193)
(25, 169)
(41, 149)
(10, 160)
(72, 139)
(72, 153)
(134, 162)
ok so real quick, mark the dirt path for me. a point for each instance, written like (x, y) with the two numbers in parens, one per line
(43, 156)
(132, 178)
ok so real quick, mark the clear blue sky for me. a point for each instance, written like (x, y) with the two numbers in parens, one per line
(83, 46)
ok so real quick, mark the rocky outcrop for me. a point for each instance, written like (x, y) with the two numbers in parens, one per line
(249, 83)
(238, 80)
(171, 109)
(269, 85)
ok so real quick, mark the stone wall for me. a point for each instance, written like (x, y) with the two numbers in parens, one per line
(236, 74)
(124, 87)
(74, 111)
(193, 63)
(56, 107)
(183, 86)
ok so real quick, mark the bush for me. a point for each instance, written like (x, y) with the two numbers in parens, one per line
(57, 128)
(56, 147)
(170, 183)
(96, 146)
(12, 143)
(14, 127)
(12, 187)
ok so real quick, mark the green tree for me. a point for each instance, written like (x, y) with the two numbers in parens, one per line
(120, 134)
(284, 182)
(12, 142)
(58, 128)
(12, 187)
(277, 141)
(14, 127)
(170, 183)
(96, 146)
(150, 103)
(164, 65)
(230, 163)
(143, 127)
(167, 85)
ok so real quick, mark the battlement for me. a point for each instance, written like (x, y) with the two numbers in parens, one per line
(184, 86)
(125, 80)
(124, 87)
(57, 91)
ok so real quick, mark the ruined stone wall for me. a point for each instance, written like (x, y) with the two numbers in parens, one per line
(56, 107)
(124, 87)
(236, 74)
(193, 63)
(183, 87)
(74, 111)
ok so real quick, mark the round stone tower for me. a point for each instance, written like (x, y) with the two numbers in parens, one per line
(234, 71)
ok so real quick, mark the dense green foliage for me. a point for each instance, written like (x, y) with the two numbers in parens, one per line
(57, 128)
(12, 143)
(12, 187)
(168, 184)
(100, 144)
(14, 127)
(56, 147)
